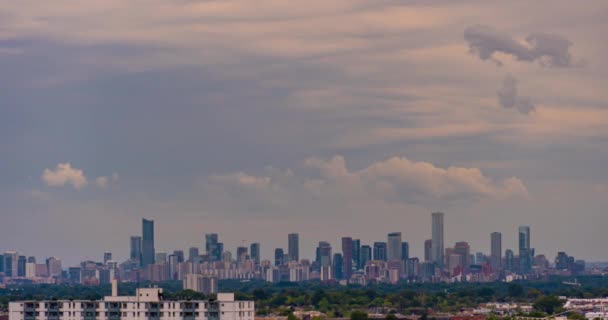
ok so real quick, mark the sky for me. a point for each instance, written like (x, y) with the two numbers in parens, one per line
(255, 119)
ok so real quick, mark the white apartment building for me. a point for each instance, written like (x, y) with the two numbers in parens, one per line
(147, 304)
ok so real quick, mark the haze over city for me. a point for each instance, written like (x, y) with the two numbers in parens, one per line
(253, 120)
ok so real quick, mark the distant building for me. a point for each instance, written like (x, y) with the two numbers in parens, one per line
(107, 256)
(193, 254)
(205, 284)
(394, 246)
(337, 266)
(347, 257)
(428, 253)
(357, 254)
(135, 248)
(254, 250)
(279, 257)
(525, 252)
(405, 250)
(366, 255)
(496, 251)
(437, 248)
(147, 244)
(293, 246)
(380, 251)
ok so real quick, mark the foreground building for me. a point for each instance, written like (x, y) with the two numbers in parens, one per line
(147, 304)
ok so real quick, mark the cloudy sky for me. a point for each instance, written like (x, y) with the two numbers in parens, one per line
(329, 118)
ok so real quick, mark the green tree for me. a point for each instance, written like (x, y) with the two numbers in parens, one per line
(548, 304)
(358, 315)
(391, 316)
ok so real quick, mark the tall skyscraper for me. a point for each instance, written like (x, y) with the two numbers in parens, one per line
(255, 252)
(366, 255)
(324, 250)
(212, 247)
(241, 254)
(394, 246)
(509, 260)
(428, 250)
(405, 250)
(525, 253)
(496, 251)
(437, 248)
(357, 254)
(337, 266)
(347, 257)
(10, 263)
(380, 251)
(147, 243)
(1, 263)
(293, 246)
(21, 262)
(279, 257)
(107, 256)
(463, 249)
(135, 248)
(193, 254)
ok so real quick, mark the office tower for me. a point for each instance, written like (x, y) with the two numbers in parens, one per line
(463, 250)
(1, 263)
(366, 255)
(357, 254)
(107, 256)
(11, 259)
(412, 268)
(509, 260)
(293, 246)
(180, 255)
(173, 266)
(213, 248)
(241, 254)
(347, 257)
(380, 251)
(394, 246)
(53, 265)
(496, 251)
(324, 251)
(30, 260)
(405, 250)
(193, 254)
(255, 252)
(337, 266)
(437, 248)
(21, 262)
(428, 251)
(525, 252)
(160, 258)
(135, 248)
(279, 257)
(147, 243)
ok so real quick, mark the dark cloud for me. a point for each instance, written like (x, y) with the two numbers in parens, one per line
(509, 98)
(547, 49)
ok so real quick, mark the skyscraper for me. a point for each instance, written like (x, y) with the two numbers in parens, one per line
(347, 257)
(496, 251)
(279, 256)
(357, 254)
(135, 248)
(255, 252)
(366, 255)
(405, 250)
(10, 263)
(509, 261)
(147, 243)
(21, 262)
(525, 259)
(380, 251)
(337, 266)
(428, 250)
(293, 246)
(212, 248)
(463, 249)
(324, 250)
(437, 238)
(394, 246)
(241, 254)
(193, 254)
(107, 257)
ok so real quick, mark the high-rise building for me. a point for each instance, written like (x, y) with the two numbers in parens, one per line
(525, 252)
(293, 246)
(147, 243)
(428, 251)
(107, 256)
(31, 259)
(509, 260)
(21, 263)
(337, 266)
(366, 255)
(212, 247)
(11, 259)
(279, 257)
(463, 250)
(1, 263)
(241, 254)
(405, 250)
(347, 257)
(193, 254)
(205, 284)
(437, 247)
(135, 248)
(324, 251)
(255, 252)
(496, 251)
(53, 265)
(380, 251)
(180, 256)
(357, 254)
(394, 246)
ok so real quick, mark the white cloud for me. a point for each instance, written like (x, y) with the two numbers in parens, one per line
(103, 181)
(64, 174)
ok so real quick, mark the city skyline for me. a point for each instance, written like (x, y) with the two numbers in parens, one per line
(330, 119)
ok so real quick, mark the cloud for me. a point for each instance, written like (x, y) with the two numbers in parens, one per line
(330, 183)
(103, 181)
(64, 174)
(509, 98)
(548, 50)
